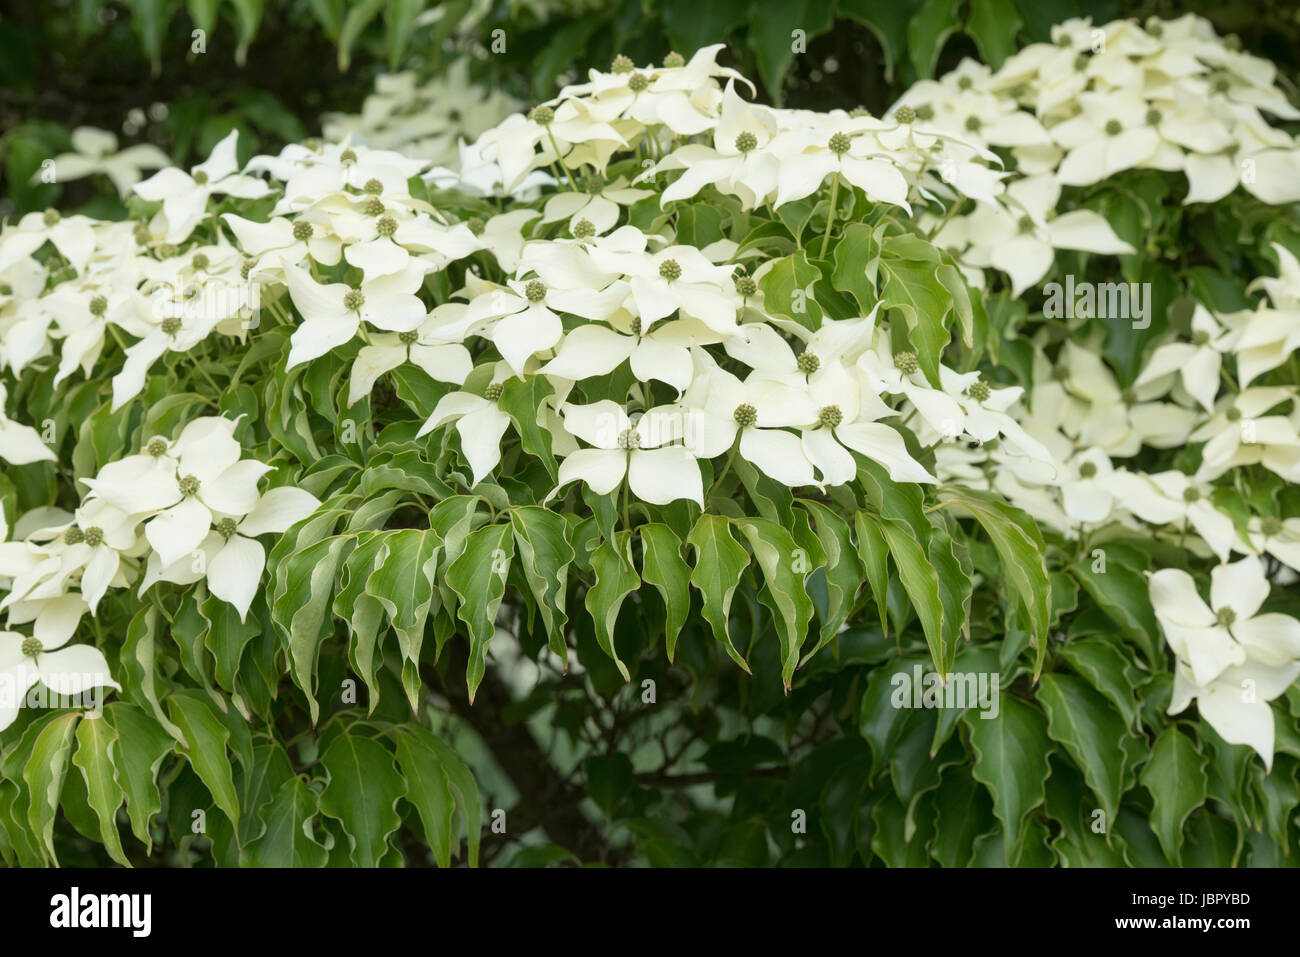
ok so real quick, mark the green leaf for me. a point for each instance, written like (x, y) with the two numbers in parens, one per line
(993, 26)
(1011, 752)
(522, 400)
(787, 291)
(1107, 670)
(248, 16)
(873, 552)
(545, 554)
(616, 578)
(44, 772)
(720, 561)
(96, 743)
(927, 32)
(844, 573)
(288, 839)
(142, 745)
(150, 18)
(363, 790)
(357, 19)
(399, 19)
(208, 738)
(912, 288)
(921, 581)
(478, 577)
(888, 21)
(428, 790)
(663, 566)
(402, 584)
(1175, 776)
(775, 548)
(772, 29)
(1092, 733)
(857, 261)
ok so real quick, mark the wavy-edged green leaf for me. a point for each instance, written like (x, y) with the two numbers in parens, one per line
(208, 738)
(719, 563)
(1175, 777)
(96, 747)
(478, 577)
(1011, 750)
(362, 794)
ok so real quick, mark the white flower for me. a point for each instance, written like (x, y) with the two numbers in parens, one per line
(20, 444)
(480, 423)
(64, 670)
(95, 151)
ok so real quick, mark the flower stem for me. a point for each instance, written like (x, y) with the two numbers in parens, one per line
(830, 214)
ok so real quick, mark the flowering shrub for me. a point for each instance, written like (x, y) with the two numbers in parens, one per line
(313, 456)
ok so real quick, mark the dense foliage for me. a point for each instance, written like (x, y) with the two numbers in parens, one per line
(612, 482)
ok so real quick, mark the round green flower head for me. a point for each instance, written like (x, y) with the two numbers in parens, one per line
(1200, 337)
(1154, 117)
(385, 226)
(636, 325)
(535, 290)
(1063, 40)
(629, 439)
(1114, 127)
(1025, 224)
(746, 141)
(638, 82)
(1087, 469)
(74, 536)
(980, 391)
(170, 326)
(245, 268)
(493, 391)
(1222, 85)
(964, 83)
(408, 338)
(1128, 396)
(905, 114)
(1191, 494)
(189, 485)
(830, 416)
(807, 363)
(347, 156)
(51, 217)
(973, 124)
(140, 234)
(542, 115)
(98, 306)
(32, 647)
(200, 261)
(858, 112)
(94, 536)
(905, 362)
(1270, 525)
(1233, 414)
(1081, 62)
(166, 251)
(925, 112)
(303, 231)
(200, 177)
(156, 447)
(476, 225)
(6, 289)
(839, 144)
(226, 527)
(1232, 42)
(1225, 617)
(373, 206)
(584, 229)
(746, 286)
(674, 60)
(745, 415)
(1155, 27)
(670, 270)
(373, 186)
(622, 64)
(353, 300)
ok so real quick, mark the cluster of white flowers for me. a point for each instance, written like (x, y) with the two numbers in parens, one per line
(1172, 96)
(182, 511)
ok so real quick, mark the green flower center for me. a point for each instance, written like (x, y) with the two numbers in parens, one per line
(674, 60)
(746, 286)
(629, 439)
(347, 156)
(74, 536)
(94, 536)
(226, 527)
(51, 217)
(973, 124)
(493, 391)
(964, 83)
(1232, 42)
(166, 251)
(670, 270)
(32, 647)
(636, 326)
(140, 234)
(1155, 27)
(200, 177)
(830, 416)
(1114, 127)
(622, 64)
(1270, 526)
(1221, 85)
(374, 206)
(373, 186)
(6, 289)
(245, 268)
(858, 112)
(1233, 414)
(476, 225)
(408, 338)
(746, 141)
(98, 306)
(925, 112)
(1154, 116)
(542, 115)
(807, 363)
(353, 300)
(302, 231)
(1191, 494)
(1200, 337)
(385, 226)
(1226, 617)
(1087, 470)
(839, 144)
(200, 261)
(905, 114)
(1128, 396)
(637, 82)
(1025, 224)
(584, 229)
(1081, 62)
(905, 362)
(535, 291)
(745, 415)
(980, 391)
(189, 485)
(170, 326)
(156, 447)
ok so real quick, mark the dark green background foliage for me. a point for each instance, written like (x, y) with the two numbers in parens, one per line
(722, 763)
